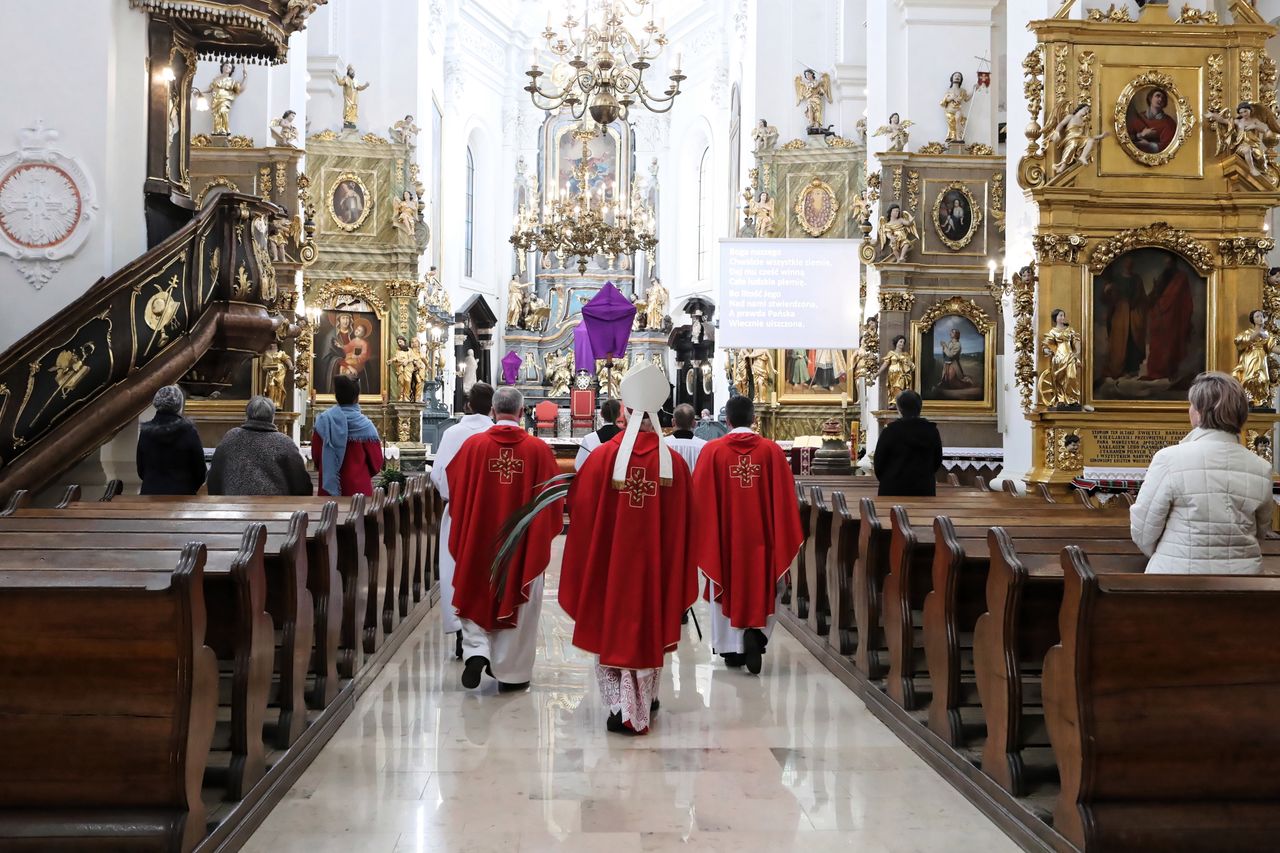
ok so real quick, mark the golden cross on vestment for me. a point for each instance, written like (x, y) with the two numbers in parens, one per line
(638, 488)
(745, 472)
(506, 465)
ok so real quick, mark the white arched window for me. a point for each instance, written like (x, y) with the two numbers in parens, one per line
(468, 242)
(704, 214)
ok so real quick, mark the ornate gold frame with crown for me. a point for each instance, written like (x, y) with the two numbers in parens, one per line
(970, 311)
(1186, 118)
(815, 226)
(975, 216)
(366, 210)
(356, 297)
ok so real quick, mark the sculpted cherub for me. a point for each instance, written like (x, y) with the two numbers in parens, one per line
(1250, 136)
(898, 232)
(896, 130)
(1072, 131)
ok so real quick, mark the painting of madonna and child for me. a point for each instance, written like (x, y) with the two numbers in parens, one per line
(1149, 314)
(349, 343)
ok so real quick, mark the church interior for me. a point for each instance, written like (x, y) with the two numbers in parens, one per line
(450, 243)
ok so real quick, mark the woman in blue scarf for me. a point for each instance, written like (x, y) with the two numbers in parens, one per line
(345, 446)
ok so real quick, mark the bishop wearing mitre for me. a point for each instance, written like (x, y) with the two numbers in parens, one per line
(748, 534)
(497, 472)
(628, 573)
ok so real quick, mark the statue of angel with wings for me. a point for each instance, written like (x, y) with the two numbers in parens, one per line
(896, 130)
(812, 91)
(1071, 131)
(1250, 136)
(898, 232)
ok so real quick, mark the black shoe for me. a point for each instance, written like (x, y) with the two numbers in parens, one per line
(734, 660)
(684, 618)
(654, 706)
(511, 687)
(457, 647)
(615, 725)
(754, 642)
(476, 665)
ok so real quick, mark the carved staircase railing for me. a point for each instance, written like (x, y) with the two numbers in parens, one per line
(194, 306)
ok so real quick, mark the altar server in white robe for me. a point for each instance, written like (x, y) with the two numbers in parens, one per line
(475, 420)
(682, 440)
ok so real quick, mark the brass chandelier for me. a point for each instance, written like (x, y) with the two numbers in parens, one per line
(582, 227)
(602, 66)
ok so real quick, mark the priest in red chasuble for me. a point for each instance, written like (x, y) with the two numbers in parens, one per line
(628, 573)
(497, 472)
(748, 533)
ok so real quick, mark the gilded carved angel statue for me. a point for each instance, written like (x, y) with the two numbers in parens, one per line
(896, 130)
(813, 91)
(1071, 131)
(898, 232)
(1250, 136)
(1256, 368)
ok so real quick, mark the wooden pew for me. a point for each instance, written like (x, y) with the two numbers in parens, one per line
(842, 636)
(323, 580)
(108, 709)
(816, 546)
(1162, 699)
(239, 630)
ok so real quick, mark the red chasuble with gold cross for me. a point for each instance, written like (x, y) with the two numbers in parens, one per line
(748, 523)
(496, 473)
(628, 572)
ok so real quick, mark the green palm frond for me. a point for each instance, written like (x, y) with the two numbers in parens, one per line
(517, 525)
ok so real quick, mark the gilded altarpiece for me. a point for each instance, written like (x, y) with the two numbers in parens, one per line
(938, 298)
(363, 293)
(1150, 155)
(816, 190)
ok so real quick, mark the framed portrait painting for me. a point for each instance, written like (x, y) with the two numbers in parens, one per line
(955, 346)
(815, 375)
(1149, 321)
(349, 202)
(349, 342)
(956, 216)
(1152, 119)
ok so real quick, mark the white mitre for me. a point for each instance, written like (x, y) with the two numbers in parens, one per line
(644, 390)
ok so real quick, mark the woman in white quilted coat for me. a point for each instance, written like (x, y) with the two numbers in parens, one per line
(1207, 500)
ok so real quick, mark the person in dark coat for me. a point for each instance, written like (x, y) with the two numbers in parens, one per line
(909, 452)
(255, 458)
(170, 453)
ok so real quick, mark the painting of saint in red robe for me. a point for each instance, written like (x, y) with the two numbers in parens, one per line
(1149, 317)
(1150, 127)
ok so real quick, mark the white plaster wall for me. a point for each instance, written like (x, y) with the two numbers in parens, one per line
(95, 96)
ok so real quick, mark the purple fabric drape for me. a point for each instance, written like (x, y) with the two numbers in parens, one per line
(511, 367)
(583, 359)
(608, 318)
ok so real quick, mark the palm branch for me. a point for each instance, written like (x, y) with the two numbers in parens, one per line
(517, 525)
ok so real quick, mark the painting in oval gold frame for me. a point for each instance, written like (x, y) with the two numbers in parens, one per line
(957, 216)
(1152, 119)
(816, 207)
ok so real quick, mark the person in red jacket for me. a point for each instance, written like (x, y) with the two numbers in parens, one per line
(748, 533)
(628, 571)
(345, 446)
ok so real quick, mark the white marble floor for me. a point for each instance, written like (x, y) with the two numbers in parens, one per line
(788, 760)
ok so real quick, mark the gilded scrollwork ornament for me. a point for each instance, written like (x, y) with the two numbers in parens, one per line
(966, 308)
(1245, 251)
(1058, 248)
(1110, 15)
(1192, 15)
(913, 191)
(1158, 234)
(1033, 91)
(997, 200)
(897, 300)
(1024, 296)
(932, 148)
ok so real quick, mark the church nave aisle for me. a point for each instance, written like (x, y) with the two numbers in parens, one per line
(789, 760)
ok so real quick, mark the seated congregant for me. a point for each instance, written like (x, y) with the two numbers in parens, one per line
(170, 454)
(682, 439)
(1206, 501)
(909, 451)
(345, 446)
(255, 458)
(610, 413)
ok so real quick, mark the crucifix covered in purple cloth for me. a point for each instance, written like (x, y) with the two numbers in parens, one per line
(510, 367)
(608, 318)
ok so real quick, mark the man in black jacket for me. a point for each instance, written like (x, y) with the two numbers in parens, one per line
(909, 452)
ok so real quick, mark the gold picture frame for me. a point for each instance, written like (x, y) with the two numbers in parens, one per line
(1144, 87)
(816, 207)
(345, 214)
(959, 230)
(366, 308)
(842, 367)
(948, 382)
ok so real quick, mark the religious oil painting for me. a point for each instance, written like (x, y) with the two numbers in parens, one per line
(953, 361)
(816, 208)
(1152, 119)
(349, 343)
(816, 375)
(956, 216)
(348, 202)
(1149, 121)
(1149, 321)
(601, 164)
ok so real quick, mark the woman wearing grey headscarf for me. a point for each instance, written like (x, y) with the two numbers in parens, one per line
(170, 453)
(255, 458)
